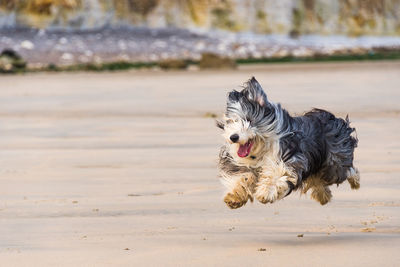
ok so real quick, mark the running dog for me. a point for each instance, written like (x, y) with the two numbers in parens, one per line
(268, 153)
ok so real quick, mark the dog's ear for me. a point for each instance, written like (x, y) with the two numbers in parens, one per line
(233, 96)
(254, 92)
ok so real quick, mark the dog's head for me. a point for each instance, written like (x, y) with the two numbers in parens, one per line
(247, 122)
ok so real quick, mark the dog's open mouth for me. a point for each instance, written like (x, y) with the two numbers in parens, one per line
(244, 150)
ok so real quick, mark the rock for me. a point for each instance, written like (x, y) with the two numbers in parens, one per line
(122, 45)
(67, 56)
(27, 45)
(168, 64)
(63, 40)
(88, 53)
(282, 52)
(294, 34)
(6, 65)
(214, 61)
(52, 67)
(11, 61)
(210, 115)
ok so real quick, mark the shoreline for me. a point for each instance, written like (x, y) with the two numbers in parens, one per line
(173, 65)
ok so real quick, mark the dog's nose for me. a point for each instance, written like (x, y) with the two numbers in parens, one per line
(234, 138)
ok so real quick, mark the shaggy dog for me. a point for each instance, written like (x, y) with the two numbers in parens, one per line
(269, 153)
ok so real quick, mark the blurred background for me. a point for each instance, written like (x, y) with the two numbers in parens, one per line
(53, 33)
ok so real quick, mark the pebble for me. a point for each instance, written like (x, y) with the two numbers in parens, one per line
(67, 56)
(27, 45)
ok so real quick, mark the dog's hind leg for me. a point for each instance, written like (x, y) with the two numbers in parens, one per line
(319, 189)
(353, 177)
(322, 194)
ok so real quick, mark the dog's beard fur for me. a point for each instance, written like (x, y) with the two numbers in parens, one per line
(269, 153)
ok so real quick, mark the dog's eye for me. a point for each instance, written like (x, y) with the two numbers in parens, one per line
(248, 119)
(236, 120)
(229, 121)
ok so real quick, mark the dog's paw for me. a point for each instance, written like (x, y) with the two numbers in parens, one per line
(240, 191)
(353, 177)
(322, 194)
(268, 191)
(234, 201)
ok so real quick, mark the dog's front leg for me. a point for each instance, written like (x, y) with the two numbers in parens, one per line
(240, 190)
(275, 183)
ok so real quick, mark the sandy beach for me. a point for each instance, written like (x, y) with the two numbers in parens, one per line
(119, 169)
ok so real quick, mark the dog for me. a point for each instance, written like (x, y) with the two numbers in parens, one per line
(268, 153)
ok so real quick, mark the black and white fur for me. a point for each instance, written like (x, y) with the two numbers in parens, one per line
(286, 153)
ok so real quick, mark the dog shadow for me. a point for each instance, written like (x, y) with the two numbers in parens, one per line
(321, 238)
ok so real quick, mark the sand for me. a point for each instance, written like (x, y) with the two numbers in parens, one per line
(119, 169)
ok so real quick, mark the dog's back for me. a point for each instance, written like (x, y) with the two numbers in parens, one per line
(340, 145)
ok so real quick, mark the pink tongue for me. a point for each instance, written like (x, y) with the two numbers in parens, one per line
(244, 150)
